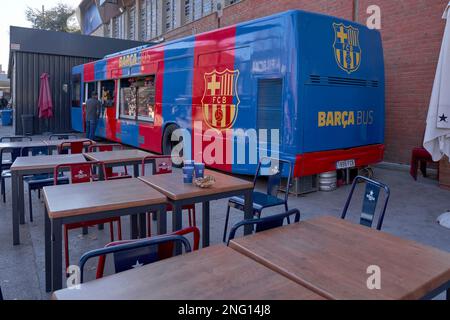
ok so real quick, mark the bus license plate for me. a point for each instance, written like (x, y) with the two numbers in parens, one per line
(346, 164)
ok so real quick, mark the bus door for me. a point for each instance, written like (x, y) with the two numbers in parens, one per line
(76, 108)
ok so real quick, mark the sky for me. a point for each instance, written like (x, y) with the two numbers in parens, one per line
(13, 13)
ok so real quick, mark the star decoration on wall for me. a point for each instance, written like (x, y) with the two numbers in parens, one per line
(443, 118)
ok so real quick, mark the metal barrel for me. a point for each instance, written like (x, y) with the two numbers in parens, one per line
(328, 181)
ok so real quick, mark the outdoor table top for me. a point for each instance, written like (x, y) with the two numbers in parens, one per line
(22, 144)
(331, 256)
(117, 156)
(101, 196)
(172, 186)
(56, 143)
(45, 162)
(209, 274)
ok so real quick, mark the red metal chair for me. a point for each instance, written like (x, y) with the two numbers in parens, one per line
(423, 157)
(75, 147)
(83, 173)
(163, 165)
(110, 174)
(164, 251)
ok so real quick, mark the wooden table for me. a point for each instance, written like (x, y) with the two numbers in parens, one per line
(132, 157)
(331, 256)
(210, 274)
(92, 201)
(179, 194)
(27, 166)
(23, 144)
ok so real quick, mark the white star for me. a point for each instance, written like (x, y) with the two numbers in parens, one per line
(138, 265)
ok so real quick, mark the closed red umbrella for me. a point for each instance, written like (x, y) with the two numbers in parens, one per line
(45, 104)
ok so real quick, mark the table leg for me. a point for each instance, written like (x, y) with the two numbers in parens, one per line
(21, 199)
(177, 224)
(134, 228)
(136, 170)
(48, 254)
(205, 224)
(142, 225)
(248, 211)
(15, 207)
(56, 255)
(162, 221)
(448, 294)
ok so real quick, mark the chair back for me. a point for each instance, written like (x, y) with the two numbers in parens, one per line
(63, 136)
(266, 223)
(15, 139)
(370, 201)
(133, 253)
(275, 173)
(105, 147)
(79, 172)
(160, 164)
(35, 151)
(75, 147)
(15, 153)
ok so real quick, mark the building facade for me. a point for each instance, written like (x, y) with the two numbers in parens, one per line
(411, 30)
(143, 20)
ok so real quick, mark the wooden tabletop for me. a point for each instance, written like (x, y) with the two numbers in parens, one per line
(215, 273)
(88, 198)
(174, 188)
(23, 144)
(56, 143)
(331, 256)
(45, 162)
(118, 156)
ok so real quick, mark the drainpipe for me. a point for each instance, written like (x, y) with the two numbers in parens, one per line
(355, 10)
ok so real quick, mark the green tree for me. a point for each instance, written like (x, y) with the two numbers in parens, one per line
(58, 18)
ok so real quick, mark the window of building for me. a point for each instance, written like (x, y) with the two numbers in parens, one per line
(137, 98)
(131, 23)
(198, 9)
(188, 11)
(143, 20)
(207, 7)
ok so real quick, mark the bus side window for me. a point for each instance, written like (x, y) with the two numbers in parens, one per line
(90, 88)
(76, 91)
(107, 93)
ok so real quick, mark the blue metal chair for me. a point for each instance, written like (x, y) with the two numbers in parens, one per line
(370, 201)
(261, 201)
(266, 223)
(135, 253)
(39, 181)
(5, 171)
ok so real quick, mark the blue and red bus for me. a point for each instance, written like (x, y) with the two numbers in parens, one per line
(317, 79)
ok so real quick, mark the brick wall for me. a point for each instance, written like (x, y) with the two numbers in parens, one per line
(412, 34)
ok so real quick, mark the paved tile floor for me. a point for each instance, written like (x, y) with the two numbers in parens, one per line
(411, 214)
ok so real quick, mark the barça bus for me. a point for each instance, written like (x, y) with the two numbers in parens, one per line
(309, 86)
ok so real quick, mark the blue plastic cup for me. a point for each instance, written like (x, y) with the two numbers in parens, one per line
(199, 170)
(188, 174)
(189, 163)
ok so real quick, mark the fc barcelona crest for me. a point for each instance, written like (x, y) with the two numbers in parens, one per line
(346, 47)
(220, 100)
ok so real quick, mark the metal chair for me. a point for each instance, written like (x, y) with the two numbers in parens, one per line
(15, 139)
(269, 199)
(370, 201)
(5, 171)
(163, 165)
(63, 136)
(110, 174)
(266, 223)
(39, 181)
(83, 173)
(136, 253)
(75, 147)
